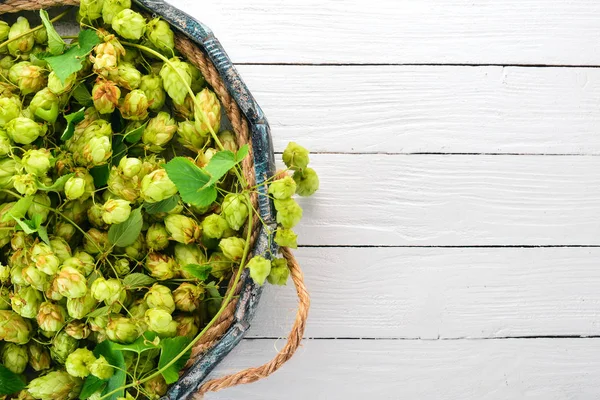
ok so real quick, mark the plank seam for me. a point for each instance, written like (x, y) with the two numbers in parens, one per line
(296, 64)
(533, 337)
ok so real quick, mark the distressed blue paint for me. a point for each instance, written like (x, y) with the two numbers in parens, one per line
(264, 164)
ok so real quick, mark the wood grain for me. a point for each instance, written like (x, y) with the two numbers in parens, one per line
(440, 293)
(543, 369)
(433, 200)
(404, 31)
(412, 109)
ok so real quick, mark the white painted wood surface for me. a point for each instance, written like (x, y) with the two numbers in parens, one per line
(468, 272)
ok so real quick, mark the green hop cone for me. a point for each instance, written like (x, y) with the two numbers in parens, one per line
(156, 387)
(279, 272)
(135, 105)
(136, 251)
(82, 306)
(286, 238)
(82, 261)
(307, 182)
(36, 278)
(283, 188)
(221, 266)
(211, 108)
(161, 36)
(232, 248)
(78, 361)
(156, 186)
(14, 357)
(40, 206)
(198, 81)
(161, 322)
(182, 229)
(39, 356)
(127, 75)
(159, 131)
(26, 184)
(188, 254)
(62, 346)
(214, 226)
(152, 85)
(122, 267)
(26, 302)
(96, 241)
(8, 169)
(37, 162)
(106, 57)
(14, 328)
(56, 86)
(157, 237)
(122, 187)
(97, 151)
(75, 210)
(27, 77)
(111, 8)
(71, 283)
(51, 317)
(60, 248)
(24, 130)
(55, 385)
(5, 144)
(90, 10)
(10, 108)
(16, 276)
(78, 330)
(187, 326)
(122, 330)
(105, 95)
(4, 30)
(74, 188)
(295, 156)
(65, 230)
(190, 137)
(259, 269)
(130, 167)
(160, 296)
(107, 290)
(24, 44)
(289, 213)
(235, 210)
(187, 297)
(174, 74)
(101, 369)
(44, 105)
(160, 266)
(44, 258)
(227, 139)
(129, 24)
(51, 291)
(116, 211)
(4, 273)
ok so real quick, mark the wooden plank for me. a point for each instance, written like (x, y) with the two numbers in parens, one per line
(404, 31)
(440, 293)
(433, 200)
(545, 369)
(431, 109)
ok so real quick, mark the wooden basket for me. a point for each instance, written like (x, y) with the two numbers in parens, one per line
(199, 46)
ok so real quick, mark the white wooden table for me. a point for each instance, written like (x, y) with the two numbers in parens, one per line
(453, 251)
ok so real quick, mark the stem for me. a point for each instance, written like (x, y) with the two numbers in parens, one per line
(29, 32)
(226, 301)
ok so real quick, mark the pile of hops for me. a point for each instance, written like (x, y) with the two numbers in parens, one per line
(98, 243)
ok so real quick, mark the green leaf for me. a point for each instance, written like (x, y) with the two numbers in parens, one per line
(137, 280)
(43, 234)
(191, 181)
(9, 381)
(98, 312)
(198, 271)
(19, 209)
(100, 174)
(241, 153)
(171, 348)
(91, 385)
(125, 233)
(72, 60)
(162, 206)
(114, 358)
(148, 341)
(119, 149)
(82, 95)
(57, 186)
(72, 120)
(27, 226)
(55, 43)
(135, 135)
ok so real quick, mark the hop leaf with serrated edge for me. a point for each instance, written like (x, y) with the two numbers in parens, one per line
(259, 269)
(160, 266)
(289, 213)
(307, 182)
(174, 74)
(286, 238)
(129, 24)
(235, 210)
(295, 156)
(78, 362)
(55, 385)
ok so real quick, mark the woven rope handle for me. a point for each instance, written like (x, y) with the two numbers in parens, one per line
(293, 342)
